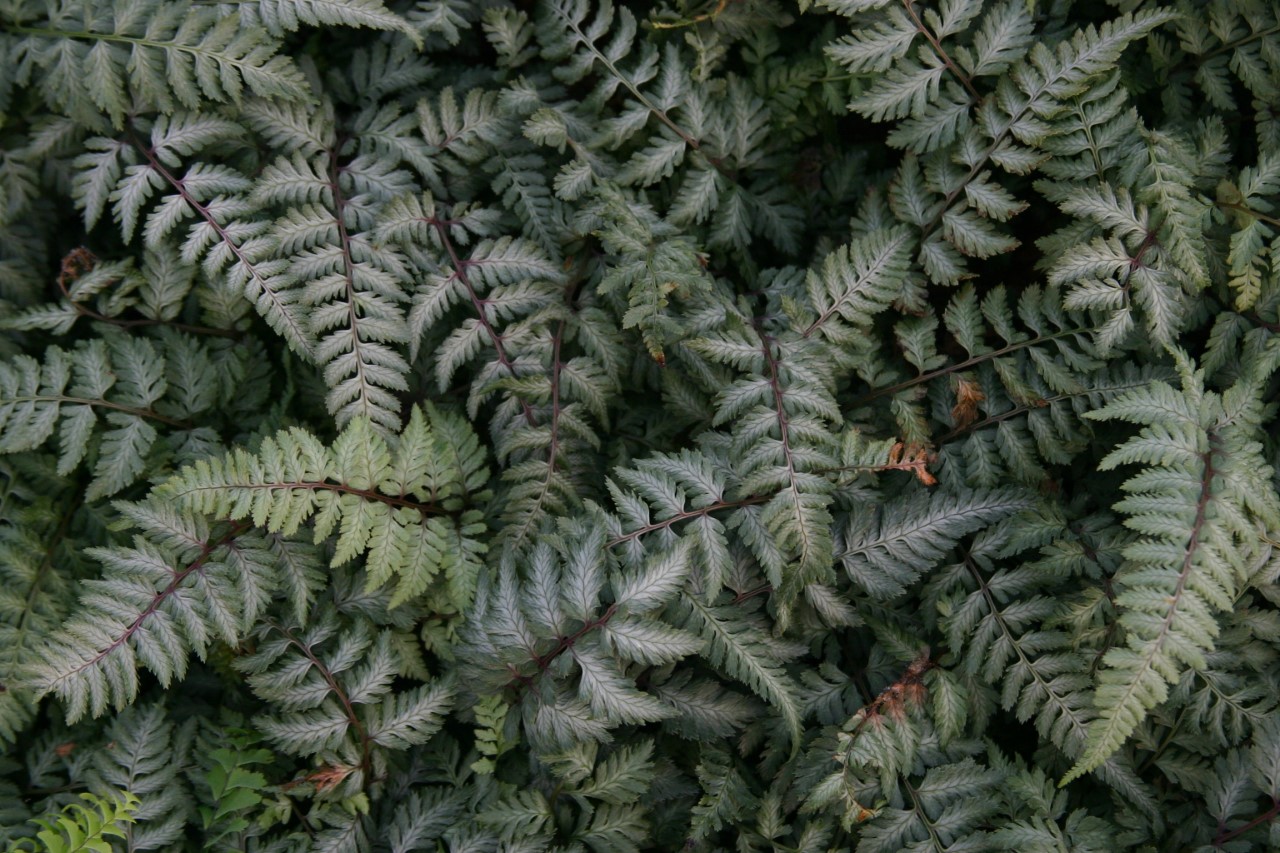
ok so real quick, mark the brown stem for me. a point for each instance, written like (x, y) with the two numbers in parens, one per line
(322, 485)
(300, 335)
(964, 365)
(562, 645)
(104, 404)
(762, 589)
(1269, 326)
(684, 516)
(1193, 540)
(348, 709)
(1229, 46)
(784, 424)
(1270, 814)
(964, 79)
(175, 582)
(1249, 211)
(481, 306)
(1027, 407)
(348, 268)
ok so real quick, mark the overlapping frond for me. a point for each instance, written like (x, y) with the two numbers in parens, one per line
(175, 592)
(113, 401)
(118, 58)
(583, 427)
(412, 507)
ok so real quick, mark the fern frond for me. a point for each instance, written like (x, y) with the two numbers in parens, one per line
(858, 281)
(149, 760)
(1195, 507)
(524, 632)
(742, 651)
(781, 412)
(653, 265)
(226, 234)
(885, 550)
(351, 286)
(281, 16)
(326, 705)
(156, 603)
(37, 564)
(87, 825)
(125, 379)
(113, 58)
(409, 504)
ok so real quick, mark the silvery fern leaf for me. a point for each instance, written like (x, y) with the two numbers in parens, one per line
(107, 401)
(155, 604)
(281, 16)
(737, 647)
(1196, 506)
(158, 181)
(114, 58)
(886, 549)
(322, 703)
(149, 756)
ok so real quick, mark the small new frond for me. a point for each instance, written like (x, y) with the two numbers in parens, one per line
(86, 825)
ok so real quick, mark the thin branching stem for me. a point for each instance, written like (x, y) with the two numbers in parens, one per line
(481, 307)
(1224, 835)
(685, 516)
(348, 707)
(964, 365)
(299, 336)
(965, 79)
(563, 644)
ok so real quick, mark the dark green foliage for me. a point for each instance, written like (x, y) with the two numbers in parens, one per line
(594, 427)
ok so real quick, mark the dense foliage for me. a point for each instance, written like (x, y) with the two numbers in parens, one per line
(575, 426)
